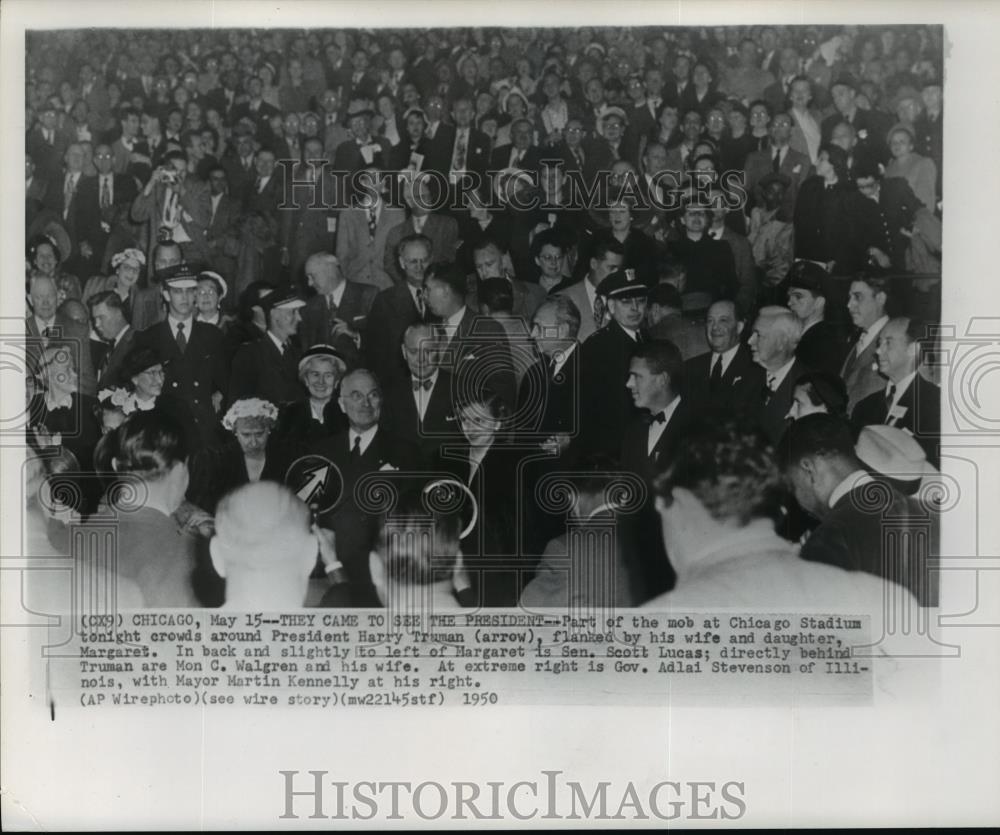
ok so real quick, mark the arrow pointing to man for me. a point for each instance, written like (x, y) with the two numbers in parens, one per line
(316, 479)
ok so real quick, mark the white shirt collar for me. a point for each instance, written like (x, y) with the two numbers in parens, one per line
(42, 324)
(563, 358)
(855, 479)
(868, 335)
(455, 319)
(121, 333)
(277, 342)
(174, 322)
(727, 357)
(656, 428)
(366, 438)
(901, 387)
(779, 376)
(338, 294)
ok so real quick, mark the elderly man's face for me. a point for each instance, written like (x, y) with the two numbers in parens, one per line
(767, 344)
(414, 259)
(488, 263)
(322, 275)
(420, 352)
(361, 401)
(629, 312)
(44, 298)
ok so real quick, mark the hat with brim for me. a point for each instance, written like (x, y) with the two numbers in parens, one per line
(614, 111)
(181, 280)
(623, 284)
(137, 360)
(325, 351)
(218, 279)
(807, 275)
(285, 298)
(893, 452)
(360, 107)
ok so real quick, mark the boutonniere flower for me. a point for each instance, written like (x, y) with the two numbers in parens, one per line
(862, 134)
(797, 169)
(737, 379)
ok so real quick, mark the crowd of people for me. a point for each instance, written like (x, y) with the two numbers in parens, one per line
(456, 265)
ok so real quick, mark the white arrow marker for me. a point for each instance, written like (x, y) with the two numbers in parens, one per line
(316, 479)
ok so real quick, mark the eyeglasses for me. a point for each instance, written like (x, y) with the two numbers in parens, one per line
(102, 156)
(357, 397)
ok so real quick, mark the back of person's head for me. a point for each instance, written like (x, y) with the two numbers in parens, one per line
(817, 436)
(497, 295)
(149, 445)
(418, 544)
(730, 469)
(824, 388)
(449, 274)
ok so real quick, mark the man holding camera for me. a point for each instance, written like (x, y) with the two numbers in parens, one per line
(177, 207)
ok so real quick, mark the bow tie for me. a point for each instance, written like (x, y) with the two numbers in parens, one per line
(423, 384)
(659, 417)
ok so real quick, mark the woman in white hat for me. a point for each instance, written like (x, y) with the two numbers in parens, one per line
(212, 289)
(142, 303)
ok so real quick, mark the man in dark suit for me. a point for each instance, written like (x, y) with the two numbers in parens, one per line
(222, 235)
(870, 126)
(726, 379)
(776, 334)
(605, 403)
(108, 316)
(366, 447)
(488, 260)
(193, 352)
(393, 310)
(44, 323)
(887, 217)
(354, 154)
(708, 263)
(268, 368)
(255, 109)
(419, 409)
(460, 148)
(337, 314)
(239, 165)
(100, 202)
(474, 348)
(909, 401)
(520, 153)
(823, 343)
(832, 484)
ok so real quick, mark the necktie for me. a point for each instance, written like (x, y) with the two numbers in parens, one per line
(372, 222)
(890, 396)
(422, 384)
(68, 194)
(599, 309)
(105, 193)
(332, 305)
(458, 163)
(769, 389)
(715, 378)
(356, 449)
(181, 338)
(421, 309)
(776, 162)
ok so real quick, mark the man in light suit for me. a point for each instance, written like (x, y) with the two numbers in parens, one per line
(776, 334)
(337, 314)
(791, 163)
(441, 230)
(177, 207)
(866, 303)
(363, 231)
(608, 256)
(109, 320)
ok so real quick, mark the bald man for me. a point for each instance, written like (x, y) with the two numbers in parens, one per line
(336, 315)
(265, 547)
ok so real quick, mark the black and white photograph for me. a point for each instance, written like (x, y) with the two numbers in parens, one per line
(443, 414)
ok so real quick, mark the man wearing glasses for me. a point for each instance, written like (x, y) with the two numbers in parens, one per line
(101, 206)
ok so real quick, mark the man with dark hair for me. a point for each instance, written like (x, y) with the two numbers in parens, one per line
(488, 260)
(475, 348)
(909, 401)
(867, 304)
(607, 256)
(869, 125)
(823, 343)
(665, 320)
(726, 379)
(605, 356)
(888, 216)
(108, 315)
(830, 482)
(718, 504)
(708, 263)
